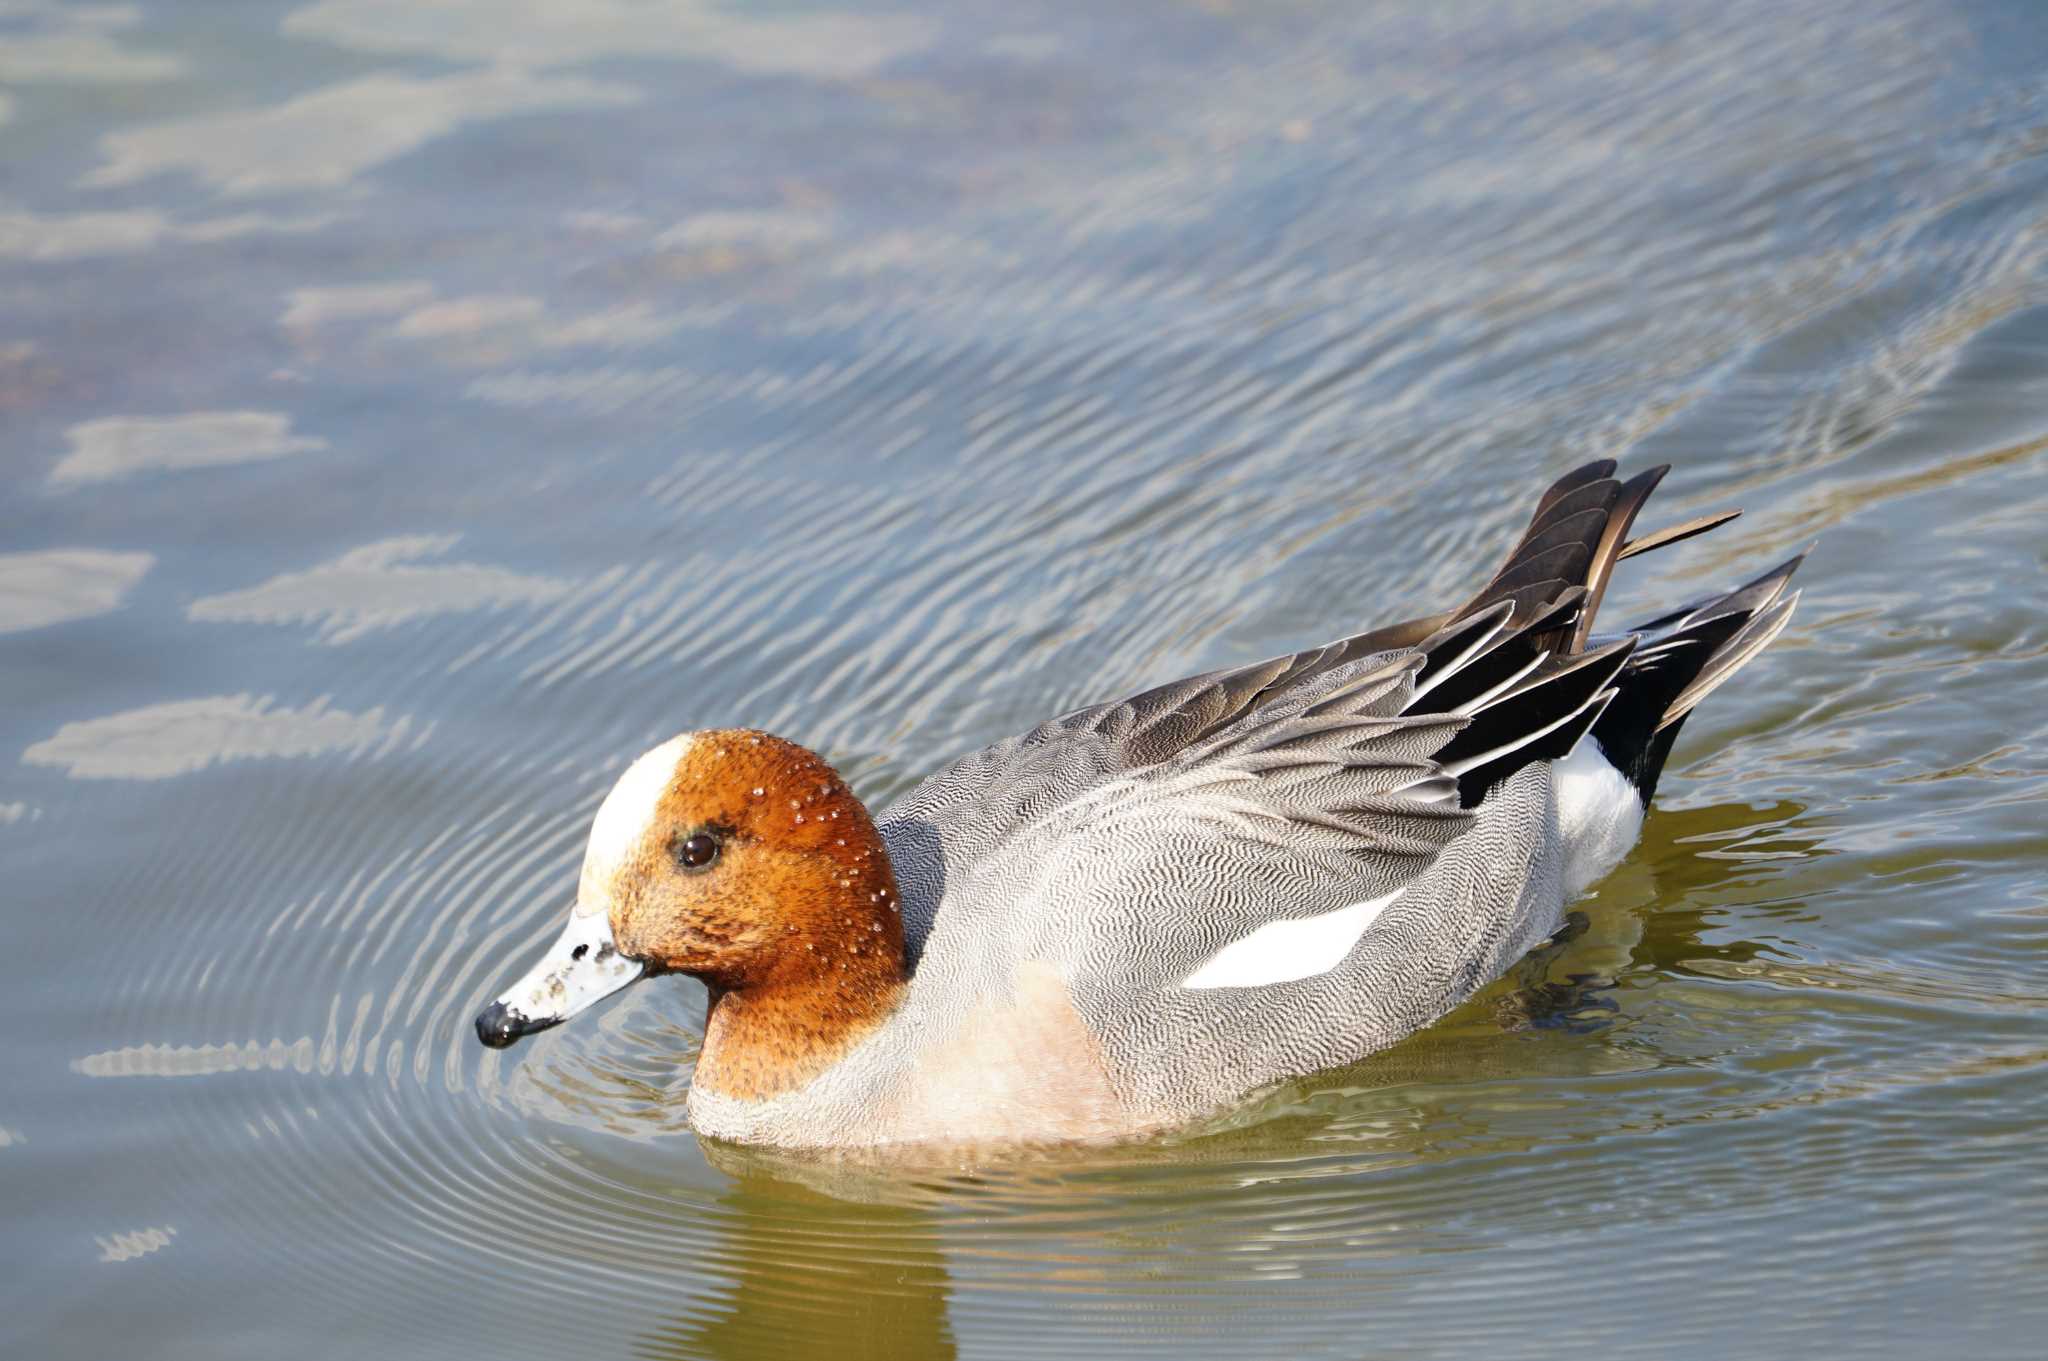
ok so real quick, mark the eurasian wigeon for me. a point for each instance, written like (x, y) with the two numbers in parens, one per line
(1141, 912)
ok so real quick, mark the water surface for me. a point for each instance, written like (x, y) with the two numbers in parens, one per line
(411, 413)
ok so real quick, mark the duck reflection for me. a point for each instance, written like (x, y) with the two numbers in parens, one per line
(1669, 908)
(811, 1269)
(1677, 907)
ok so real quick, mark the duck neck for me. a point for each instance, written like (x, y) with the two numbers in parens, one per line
(838, 979)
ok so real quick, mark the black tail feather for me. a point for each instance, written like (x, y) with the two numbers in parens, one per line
(1538, 719)
(1519, 665)
(1684, 656)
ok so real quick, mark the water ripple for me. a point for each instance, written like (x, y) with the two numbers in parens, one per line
(541, 388)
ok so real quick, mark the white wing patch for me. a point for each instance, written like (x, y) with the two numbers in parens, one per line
(1599, 814)
(1281, 952)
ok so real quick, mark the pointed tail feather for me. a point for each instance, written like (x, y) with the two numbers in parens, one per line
(1684, 657)
(1520, 665)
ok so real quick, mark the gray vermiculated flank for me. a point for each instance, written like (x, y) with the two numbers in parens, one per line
(1137, 877)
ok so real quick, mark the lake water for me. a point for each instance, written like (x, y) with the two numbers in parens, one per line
(412, 412)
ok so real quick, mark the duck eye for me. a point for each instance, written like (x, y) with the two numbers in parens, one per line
(696, 851)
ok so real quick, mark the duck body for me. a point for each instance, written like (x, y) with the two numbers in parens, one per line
(1142, 912)
(1056, 902)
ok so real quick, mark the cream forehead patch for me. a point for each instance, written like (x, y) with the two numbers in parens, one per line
(626, 814)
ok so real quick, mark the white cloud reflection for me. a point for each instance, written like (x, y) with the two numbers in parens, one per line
(353, 302)
(161, 740)
(77, 236)
(378, 586)
(540, 34)
(198, 1060)
(119, 446)
(770, 231)
(479, 329)
(49, 587)
(125, 1247)
(70, 236)
(493, 328)
(328, 137)
(68, 43)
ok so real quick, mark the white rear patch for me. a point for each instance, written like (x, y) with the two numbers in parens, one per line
(624, 817)
(1281, 952)
(1599, 814)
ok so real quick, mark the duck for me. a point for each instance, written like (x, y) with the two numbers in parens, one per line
(1140, 914)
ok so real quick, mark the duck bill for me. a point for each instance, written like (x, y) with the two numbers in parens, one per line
(581, 968)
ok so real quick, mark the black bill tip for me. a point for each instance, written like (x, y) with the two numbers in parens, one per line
(498, 1026)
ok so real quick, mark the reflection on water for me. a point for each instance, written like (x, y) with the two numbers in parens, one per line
(329, 137)
(118, 446)
(186, 735)
(50, 237)
(539, 35)
(417, 410)
(39, 589)
(380, 585)
(803, 1275)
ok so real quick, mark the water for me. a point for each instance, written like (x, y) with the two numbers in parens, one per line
(412, 413)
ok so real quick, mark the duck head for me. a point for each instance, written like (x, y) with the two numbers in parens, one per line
(745, 861)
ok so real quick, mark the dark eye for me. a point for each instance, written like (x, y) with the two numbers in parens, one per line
(697, 851)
